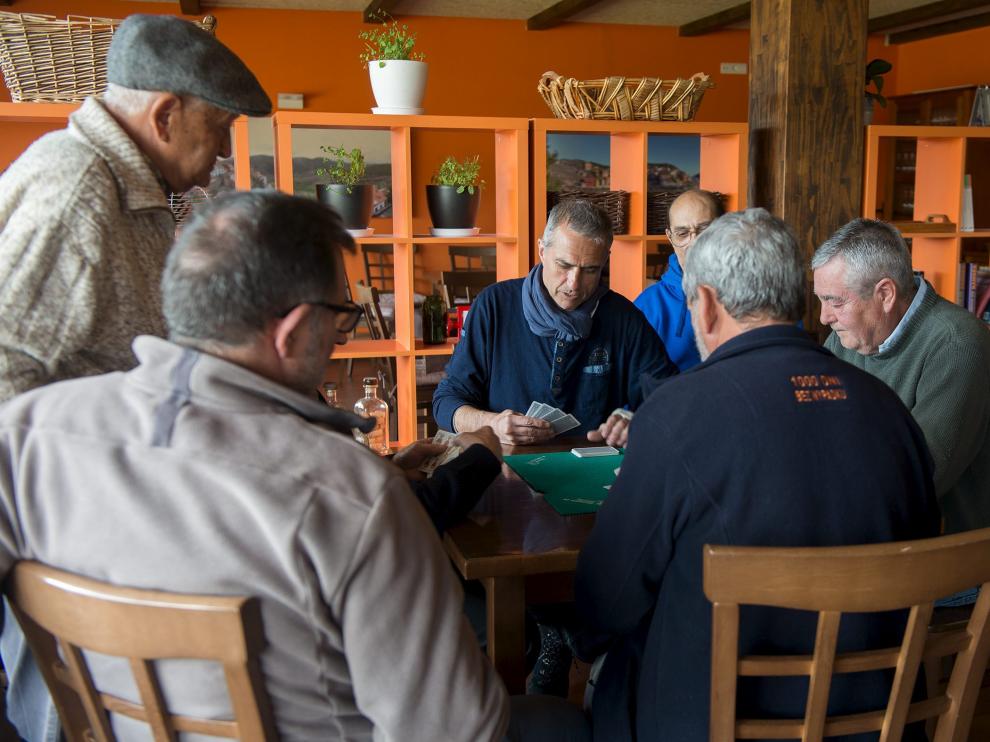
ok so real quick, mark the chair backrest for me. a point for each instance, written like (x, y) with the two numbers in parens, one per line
(856, 579)
(367, 297)
(379, 268)
(464, 258)
(62, 612)
(465, 285)
(654, 265)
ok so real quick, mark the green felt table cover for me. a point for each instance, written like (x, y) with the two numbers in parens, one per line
(570, 484)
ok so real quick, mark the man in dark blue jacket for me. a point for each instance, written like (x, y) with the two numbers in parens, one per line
(663, 303)
(558, 337)
(771, 441)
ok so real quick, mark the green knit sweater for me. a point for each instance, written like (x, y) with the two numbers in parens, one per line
(940, 368)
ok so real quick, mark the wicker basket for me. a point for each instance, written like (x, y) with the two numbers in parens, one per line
(624, 98)
(46, 60)
(613, 203)
(658, 206)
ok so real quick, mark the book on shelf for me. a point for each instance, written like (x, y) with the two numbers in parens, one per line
(966, 216)
(974, 289)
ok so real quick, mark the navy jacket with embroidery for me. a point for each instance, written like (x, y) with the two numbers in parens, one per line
(500, 364)
(773, 441)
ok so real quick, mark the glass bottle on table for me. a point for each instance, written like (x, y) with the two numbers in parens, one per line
(330, 394)
(434, 320)
(371, 405)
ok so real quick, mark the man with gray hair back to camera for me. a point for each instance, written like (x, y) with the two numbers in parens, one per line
(770, 441)
(934, 354)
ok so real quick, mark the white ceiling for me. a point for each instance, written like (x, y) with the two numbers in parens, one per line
(637, 12)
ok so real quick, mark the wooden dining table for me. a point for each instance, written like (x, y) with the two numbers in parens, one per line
(523, 552)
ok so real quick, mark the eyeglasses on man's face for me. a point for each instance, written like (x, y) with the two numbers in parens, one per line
(346, 315)
(681, 236)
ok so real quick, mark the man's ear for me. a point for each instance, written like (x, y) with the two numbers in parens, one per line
(287, 333)
(886, 292)
(705, 309)
(163, 115)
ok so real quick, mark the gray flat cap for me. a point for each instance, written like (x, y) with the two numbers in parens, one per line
(165, 53)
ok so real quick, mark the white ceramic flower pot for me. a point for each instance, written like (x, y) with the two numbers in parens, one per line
(398, 85)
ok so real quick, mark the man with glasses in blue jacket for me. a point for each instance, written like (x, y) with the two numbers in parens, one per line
(664, 304)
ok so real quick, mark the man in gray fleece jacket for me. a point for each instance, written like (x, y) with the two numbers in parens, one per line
(934, 354)
(210, 468)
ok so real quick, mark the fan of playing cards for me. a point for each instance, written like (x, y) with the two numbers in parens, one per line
(561, 421)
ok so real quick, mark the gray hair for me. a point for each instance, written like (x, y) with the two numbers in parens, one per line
(246, 258)
(581, 216)
(128, 101)
(752, 260)
(872, 250)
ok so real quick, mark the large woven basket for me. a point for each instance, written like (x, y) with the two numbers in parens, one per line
(46, 60)
(613, 203)
(624, 98)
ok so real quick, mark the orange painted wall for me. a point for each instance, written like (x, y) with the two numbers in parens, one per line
(945, 61)
(478, 67)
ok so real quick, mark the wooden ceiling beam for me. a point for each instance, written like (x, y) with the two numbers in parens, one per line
(940, 29)
(374, 10)
(923, 13)
(716, 21)
(190, 7)
(557, 14)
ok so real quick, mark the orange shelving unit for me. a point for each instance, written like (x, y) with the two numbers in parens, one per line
(724, 162)
(511, 234)
(940, 164)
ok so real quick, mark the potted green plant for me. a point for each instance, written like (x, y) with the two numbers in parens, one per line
(453, 197)
(398, 75)
(344, 192)
(875, 70)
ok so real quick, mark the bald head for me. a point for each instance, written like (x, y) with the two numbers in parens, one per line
(688, 216)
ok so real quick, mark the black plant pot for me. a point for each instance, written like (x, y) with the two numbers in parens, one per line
(450, 209)
(354, 207)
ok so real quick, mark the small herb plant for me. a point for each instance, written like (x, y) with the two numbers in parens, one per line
(342, 167)
(391, 41)
(464, 175)
(874, 74)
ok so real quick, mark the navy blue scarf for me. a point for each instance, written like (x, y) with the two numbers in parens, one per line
(546, 319)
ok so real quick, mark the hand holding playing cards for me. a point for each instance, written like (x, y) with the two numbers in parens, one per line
(413, 456)
(484, 436)
(614, 431)
(514, 429)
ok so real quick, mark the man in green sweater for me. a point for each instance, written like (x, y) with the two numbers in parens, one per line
(934, 354)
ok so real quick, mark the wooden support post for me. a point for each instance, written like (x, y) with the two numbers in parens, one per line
(806, 98)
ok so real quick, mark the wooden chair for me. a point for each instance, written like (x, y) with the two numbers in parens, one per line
(379, 270)
(460, 287)
(471, 258)
(62, 614)
(654, 265)
(859, 579)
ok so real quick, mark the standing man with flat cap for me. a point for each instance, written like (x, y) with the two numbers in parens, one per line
(83, 244)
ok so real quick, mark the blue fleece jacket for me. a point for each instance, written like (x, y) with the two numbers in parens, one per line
(500, 364)
(666, 310)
